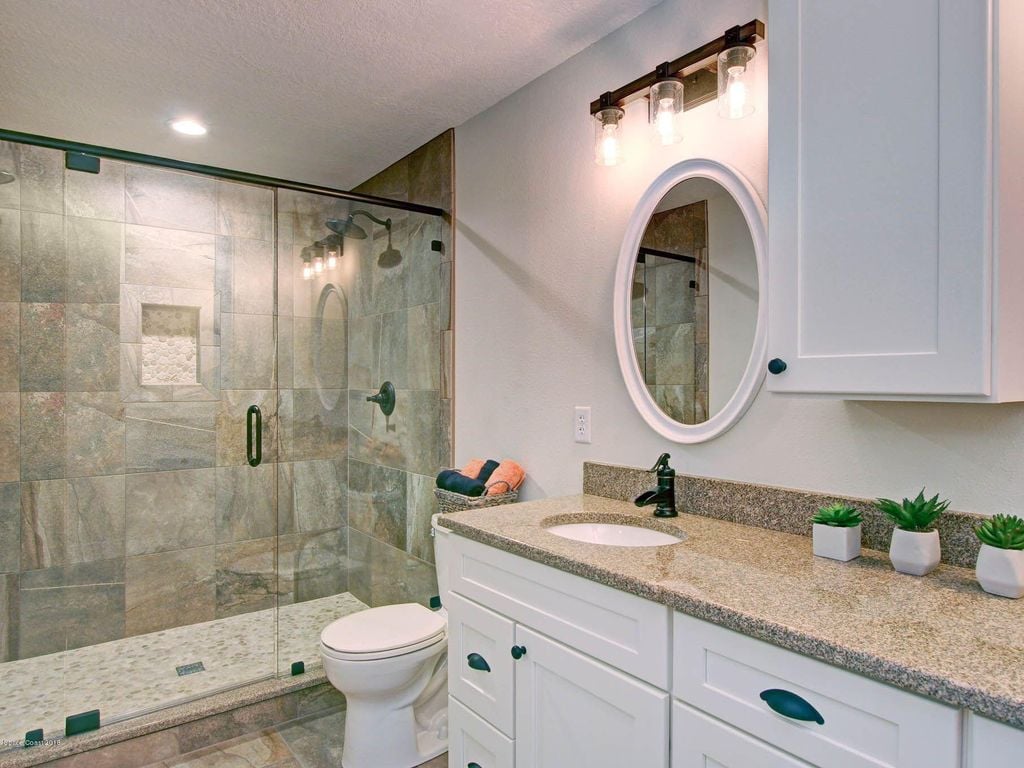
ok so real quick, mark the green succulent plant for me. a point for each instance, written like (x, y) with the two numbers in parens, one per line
(1002, 531)
(918, 514)
(838, 516)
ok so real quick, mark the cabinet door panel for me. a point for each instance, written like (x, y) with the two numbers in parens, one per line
(880, 197)
(471, 740)
(574, 711)
(993, 745)
(480, 673)
(699, 741)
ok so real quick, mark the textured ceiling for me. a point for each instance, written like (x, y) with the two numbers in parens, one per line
(322, 91)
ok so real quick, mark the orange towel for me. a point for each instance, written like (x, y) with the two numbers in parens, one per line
(507, 477)
(473, 468)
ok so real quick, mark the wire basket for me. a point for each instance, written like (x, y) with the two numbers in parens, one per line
(447, 501)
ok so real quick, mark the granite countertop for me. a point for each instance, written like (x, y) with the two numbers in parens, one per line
(939, 635)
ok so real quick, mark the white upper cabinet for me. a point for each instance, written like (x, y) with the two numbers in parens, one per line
(895, 191)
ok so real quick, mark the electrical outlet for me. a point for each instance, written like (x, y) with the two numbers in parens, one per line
(581, 424)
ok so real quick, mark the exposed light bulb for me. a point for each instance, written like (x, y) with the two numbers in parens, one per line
(665, 122)
(736, 91)
(332, 258)
(318, 264)
(610, 144)
(307, 271)
(607, 147)
(666, 108)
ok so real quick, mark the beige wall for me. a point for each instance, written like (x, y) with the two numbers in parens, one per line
(538, 232)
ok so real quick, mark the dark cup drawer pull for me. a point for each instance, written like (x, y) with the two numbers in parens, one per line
(472, 765)
(476, 661)
(788, 704)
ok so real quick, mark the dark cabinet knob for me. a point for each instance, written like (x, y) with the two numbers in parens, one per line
(776, 366)
(518, 651)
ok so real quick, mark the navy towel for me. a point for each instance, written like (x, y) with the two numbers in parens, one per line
(456, 482)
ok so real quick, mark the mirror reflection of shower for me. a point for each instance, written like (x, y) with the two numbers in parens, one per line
(389, 257)
(6, 177)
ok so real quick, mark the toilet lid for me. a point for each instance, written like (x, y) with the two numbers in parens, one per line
(387, 628)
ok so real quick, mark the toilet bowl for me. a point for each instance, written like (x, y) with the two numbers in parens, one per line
(391, 664)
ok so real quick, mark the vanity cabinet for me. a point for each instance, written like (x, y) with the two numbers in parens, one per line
(895, 194)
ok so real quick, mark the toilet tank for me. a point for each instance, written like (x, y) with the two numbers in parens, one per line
(441, 557)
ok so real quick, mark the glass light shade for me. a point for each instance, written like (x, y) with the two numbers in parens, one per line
(734, 97)
(318, 264)
(307, 271)
(332, 258)
(666, 110)
(607, 138)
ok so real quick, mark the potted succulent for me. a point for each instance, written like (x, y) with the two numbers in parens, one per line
(836, 532)
(1000, 568)
(915, 542)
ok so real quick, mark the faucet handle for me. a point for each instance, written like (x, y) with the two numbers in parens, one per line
(661, 463)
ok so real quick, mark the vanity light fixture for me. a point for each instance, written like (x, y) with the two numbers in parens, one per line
(307, 267)
(318, 259)
(716, 69)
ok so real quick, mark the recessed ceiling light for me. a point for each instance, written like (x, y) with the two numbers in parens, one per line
(188, 126)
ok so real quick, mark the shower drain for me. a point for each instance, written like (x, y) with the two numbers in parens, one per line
(190, 669)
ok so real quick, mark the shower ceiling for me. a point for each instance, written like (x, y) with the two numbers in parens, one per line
(325, 92)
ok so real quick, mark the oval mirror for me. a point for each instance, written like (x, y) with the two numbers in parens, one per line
(690, 309)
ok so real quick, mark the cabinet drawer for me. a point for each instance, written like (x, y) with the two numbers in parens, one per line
(628, 632)
(699, 741)
(480, 672)
(993, 745)
(472, 742)
(867, 724)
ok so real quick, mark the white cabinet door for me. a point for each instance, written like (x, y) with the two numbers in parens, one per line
(993, 745)
(699, 741)
(480, 672)
(880, 197)
(574, 711)
(472, 743)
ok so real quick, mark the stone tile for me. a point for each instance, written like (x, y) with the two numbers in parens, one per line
(247, 351)
(379, 502)
(44, 523)
(423, 277)
(674, 354)
(10, 348)
(245, 503)
(96, 519)
(169, 257)
(158, 197)
(408, 439)
(167, 436)
(430, 172)
(312, 565)
(421, 504)
(10, 528)
(364, 352)
(245, 210)
(383, 575)
(246, 576)
(232, 412)
(675, 299)
(169, 510)
(95, 251)
(43, 438)
(93, 351)
(43, 257)
(95, 434)
(265, 749)
(41, 176)
(10, 254)
(10, 195)
(313, 425)
(9, 610)
(252, 277)
(423, 353)
(70, 606)
(445, 307)
(10, 436)
(394, 349)
(169, 589)
(96, 195)
(139, 752)
(285, 353)
(42, 334)
(317, 740)
(312, 496)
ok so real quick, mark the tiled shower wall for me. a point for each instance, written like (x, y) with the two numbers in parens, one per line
(401, 330)
(136, 326)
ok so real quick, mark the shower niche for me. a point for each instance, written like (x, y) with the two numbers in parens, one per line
(170, 345)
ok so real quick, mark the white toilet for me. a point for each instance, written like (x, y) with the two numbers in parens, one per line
(391, 664)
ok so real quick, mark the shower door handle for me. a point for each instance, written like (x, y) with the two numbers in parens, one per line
(254, 436)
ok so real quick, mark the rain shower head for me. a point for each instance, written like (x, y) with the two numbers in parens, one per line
(346, 228)
(6, 177)
(389, 257)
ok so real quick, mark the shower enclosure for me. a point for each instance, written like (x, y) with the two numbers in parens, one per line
(192, 481)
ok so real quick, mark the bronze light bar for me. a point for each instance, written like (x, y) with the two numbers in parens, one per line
(747, 34)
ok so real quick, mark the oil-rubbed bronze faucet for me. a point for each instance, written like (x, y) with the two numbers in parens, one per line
(665, 494)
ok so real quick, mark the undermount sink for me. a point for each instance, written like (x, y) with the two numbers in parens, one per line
(614, 534)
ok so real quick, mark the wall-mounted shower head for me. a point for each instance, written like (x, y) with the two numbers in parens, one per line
(389, 257)
(346, 228)
(6, 177)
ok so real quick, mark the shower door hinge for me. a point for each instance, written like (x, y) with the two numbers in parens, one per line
(78, 161)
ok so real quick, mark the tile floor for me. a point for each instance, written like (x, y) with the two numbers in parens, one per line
(138, 674)
(311, 742)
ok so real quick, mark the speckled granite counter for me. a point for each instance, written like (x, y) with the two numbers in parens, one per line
(940, 635)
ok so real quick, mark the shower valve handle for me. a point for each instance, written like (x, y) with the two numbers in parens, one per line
(385, 398)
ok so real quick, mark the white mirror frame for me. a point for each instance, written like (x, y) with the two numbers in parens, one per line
(753, 376)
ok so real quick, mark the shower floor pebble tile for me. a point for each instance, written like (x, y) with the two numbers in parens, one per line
(138, 674)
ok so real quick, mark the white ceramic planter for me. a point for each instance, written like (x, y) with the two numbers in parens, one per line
(836, 543)
(1001, 571)
(913, 552)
